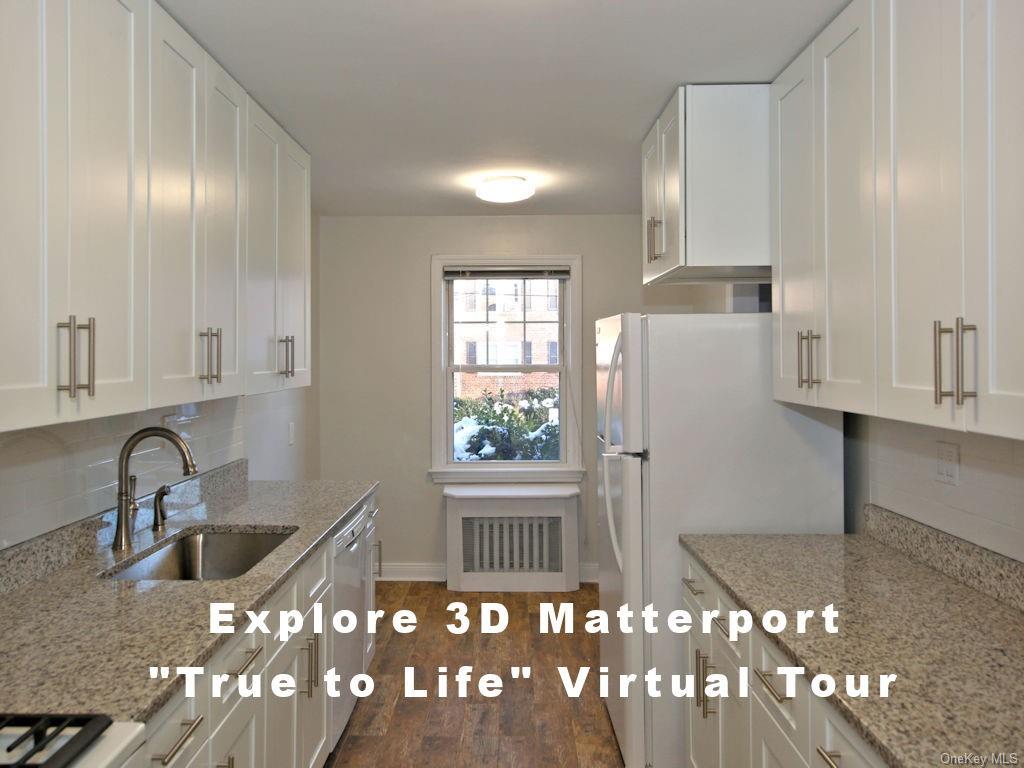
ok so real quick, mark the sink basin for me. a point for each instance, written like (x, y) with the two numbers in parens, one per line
(205, 556)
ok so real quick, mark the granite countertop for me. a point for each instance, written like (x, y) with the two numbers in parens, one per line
(959, 653)
(74, 641)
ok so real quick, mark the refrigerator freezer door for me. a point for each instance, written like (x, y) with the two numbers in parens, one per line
(620, 412)
(620, 575)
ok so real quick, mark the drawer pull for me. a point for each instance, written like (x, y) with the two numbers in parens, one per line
(830, 758)
(253, 655)
(229, 764)
(190, 728)
(693, 590)
(764, 678)
(698, 697)
(721, 625)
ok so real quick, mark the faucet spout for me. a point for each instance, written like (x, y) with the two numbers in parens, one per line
(123, 532)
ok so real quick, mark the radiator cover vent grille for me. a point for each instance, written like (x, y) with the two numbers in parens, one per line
(511, 544)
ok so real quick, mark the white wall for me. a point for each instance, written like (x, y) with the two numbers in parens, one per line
(894, 465)
(375, 354)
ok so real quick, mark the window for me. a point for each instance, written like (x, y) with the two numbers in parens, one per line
(506, 392)
(507, 406)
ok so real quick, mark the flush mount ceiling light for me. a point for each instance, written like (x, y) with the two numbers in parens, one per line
(505, 189)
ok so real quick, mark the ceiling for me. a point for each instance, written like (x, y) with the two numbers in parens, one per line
(403, 103)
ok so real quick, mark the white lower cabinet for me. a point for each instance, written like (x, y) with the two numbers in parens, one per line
(230, 731)
(237, 742)
(767, 728)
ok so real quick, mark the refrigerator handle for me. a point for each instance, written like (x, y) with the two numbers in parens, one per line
(612, 533)
(609, 397)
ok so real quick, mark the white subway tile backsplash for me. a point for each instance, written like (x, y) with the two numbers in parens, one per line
(53, 476)
(986, 507)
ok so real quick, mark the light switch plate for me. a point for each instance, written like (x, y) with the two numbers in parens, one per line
(948, 469)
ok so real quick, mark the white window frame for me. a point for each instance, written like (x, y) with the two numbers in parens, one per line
(444, 468)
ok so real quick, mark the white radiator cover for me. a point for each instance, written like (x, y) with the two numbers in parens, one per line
(519, 538)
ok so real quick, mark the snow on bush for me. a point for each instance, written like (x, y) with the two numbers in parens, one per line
(507, 427)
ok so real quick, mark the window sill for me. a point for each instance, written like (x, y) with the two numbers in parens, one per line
(484, 474)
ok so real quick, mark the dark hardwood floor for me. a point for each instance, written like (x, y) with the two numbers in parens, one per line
(531, 724)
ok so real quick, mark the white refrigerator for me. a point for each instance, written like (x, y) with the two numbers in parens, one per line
(691, 441)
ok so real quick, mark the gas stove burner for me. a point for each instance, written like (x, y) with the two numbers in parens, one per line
(53, 741)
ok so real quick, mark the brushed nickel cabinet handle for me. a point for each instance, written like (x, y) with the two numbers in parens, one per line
(961, 329)
(292, 369)
(229, 764)
(309, 667)
(72, 386)
(205, 335)
(190, 728)
(721, 626)
(90, 356)
(650, 239)
(219, 335)
(811, 338)
(284, 340)
(831, 758)
(937, 333)
(380, 558)
(689, 585)
(767, 683)
(800, 359)
(655, 253)
(253, 655)
(316, 661)
(698, 697)
(706, 709)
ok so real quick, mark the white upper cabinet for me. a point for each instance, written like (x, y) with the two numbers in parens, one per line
(993, 360)
(823, 196)
(224, 247)
(842, 344)
(125, 234)
(75, 137)
(178, 77)
(33, 293)
(705, 186)
(293, 272)
(920, 229)
(278, 275)
(917, 239)
(792, 228)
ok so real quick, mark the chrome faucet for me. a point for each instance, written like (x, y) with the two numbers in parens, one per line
(125, 482)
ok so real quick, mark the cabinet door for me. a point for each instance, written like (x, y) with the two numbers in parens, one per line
(313, 711)
(726, 162)
(370, 570)
(651, 202)
(920, 233)
(769, 746)
(265, 355)
(102, 222)
(33, 293)
(293, 259)
(237, 742)
(844, 356)
(704, 733)
(281, 736)
(178, 355)
(792, 241)
(734, 710)
(224, 219)
(670, 237)
(994, 199)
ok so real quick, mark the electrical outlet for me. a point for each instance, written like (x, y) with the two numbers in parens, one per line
(948, 469)
(291, 433)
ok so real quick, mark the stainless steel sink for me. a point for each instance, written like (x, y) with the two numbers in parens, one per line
(204, 556)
